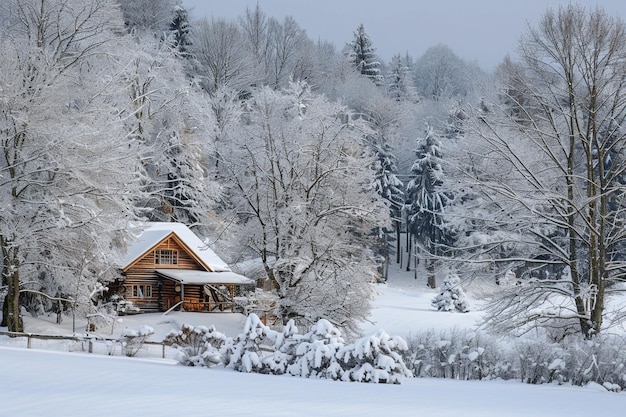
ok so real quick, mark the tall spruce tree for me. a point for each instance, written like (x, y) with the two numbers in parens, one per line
(180, 31)
(426, 201)
(400, 85)
(391, 189)
(362, 55)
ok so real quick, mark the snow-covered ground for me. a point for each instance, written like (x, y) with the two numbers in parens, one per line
(37, 382)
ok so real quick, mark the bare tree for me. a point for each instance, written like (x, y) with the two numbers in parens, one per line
(441, 74)
(223, 63)
(289, 51)
(152, 15)
(302, 188)
(67, 177)
(555, 165)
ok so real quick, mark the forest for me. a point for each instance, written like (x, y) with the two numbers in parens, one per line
(309, 164)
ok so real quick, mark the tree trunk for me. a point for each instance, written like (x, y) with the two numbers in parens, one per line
(5, 312)
(12, 302)
(408, 253)
(430, 267)
(11, 309)
(398, 244)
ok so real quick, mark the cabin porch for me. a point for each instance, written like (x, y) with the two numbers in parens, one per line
(199, 291)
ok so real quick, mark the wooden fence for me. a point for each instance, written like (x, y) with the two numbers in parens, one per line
(87, 343)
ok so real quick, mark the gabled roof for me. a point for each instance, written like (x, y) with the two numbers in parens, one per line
(156, 233)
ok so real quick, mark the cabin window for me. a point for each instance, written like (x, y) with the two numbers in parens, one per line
(165, 257)
(142, 291)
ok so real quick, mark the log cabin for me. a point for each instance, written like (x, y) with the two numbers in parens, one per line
(169, 267)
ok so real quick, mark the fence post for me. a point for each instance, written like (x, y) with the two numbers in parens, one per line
(28, 344)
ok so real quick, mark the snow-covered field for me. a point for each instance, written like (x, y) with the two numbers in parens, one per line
(37, 382)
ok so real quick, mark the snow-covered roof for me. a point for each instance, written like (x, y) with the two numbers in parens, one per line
(154, 233)
(185, 276)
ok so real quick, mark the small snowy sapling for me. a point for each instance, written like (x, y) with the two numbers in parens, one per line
(451, 297)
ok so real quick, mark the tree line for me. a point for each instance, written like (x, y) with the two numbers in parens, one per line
(313, 162)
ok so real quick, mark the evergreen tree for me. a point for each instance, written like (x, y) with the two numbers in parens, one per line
(390, 188)
(362, 55)
(400, 82)
(426, 200)
(456, 117)
(180, 30)
(451, 296)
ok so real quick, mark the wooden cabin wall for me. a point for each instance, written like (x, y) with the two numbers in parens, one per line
(143, 272)
(185, 261)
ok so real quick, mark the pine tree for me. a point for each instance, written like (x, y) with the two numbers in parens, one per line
(390, 188)
(362, 55)
(451, 297)
(180, 30)
(400, 82)
(426, 200)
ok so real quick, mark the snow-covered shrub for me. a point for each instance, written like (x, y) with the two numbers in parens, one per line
(246, 352)
(197, 346)
(540, 363)
(376, 358)
(285, 347)
(465, 354)
(320, 353)
(132, 340)
(458, 354)
(315, 355)
(451, 297)
(601, 360)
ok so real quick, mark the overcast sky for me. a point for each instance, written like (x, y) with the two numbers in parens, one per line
(477, 30)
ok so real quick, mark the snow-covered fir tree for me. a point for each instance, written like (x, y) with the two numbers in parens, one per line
(426, 199)
(391, 189)
(451, 296)
(362, 55)
(400, 85)
(180, 31)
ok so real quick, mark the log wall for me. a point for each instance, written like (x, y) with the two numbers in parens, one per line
(143, 272)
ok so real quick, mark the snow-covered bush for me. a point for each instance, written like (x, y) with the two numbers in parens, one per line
(451, 297)
(601, 360)
(132, 340)
(197, 346)
(245, 352)
(285, 347)
(540, 363)
(464, 354)
(316, 353)
(320, 353)
(458, 354)
(376, 358)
